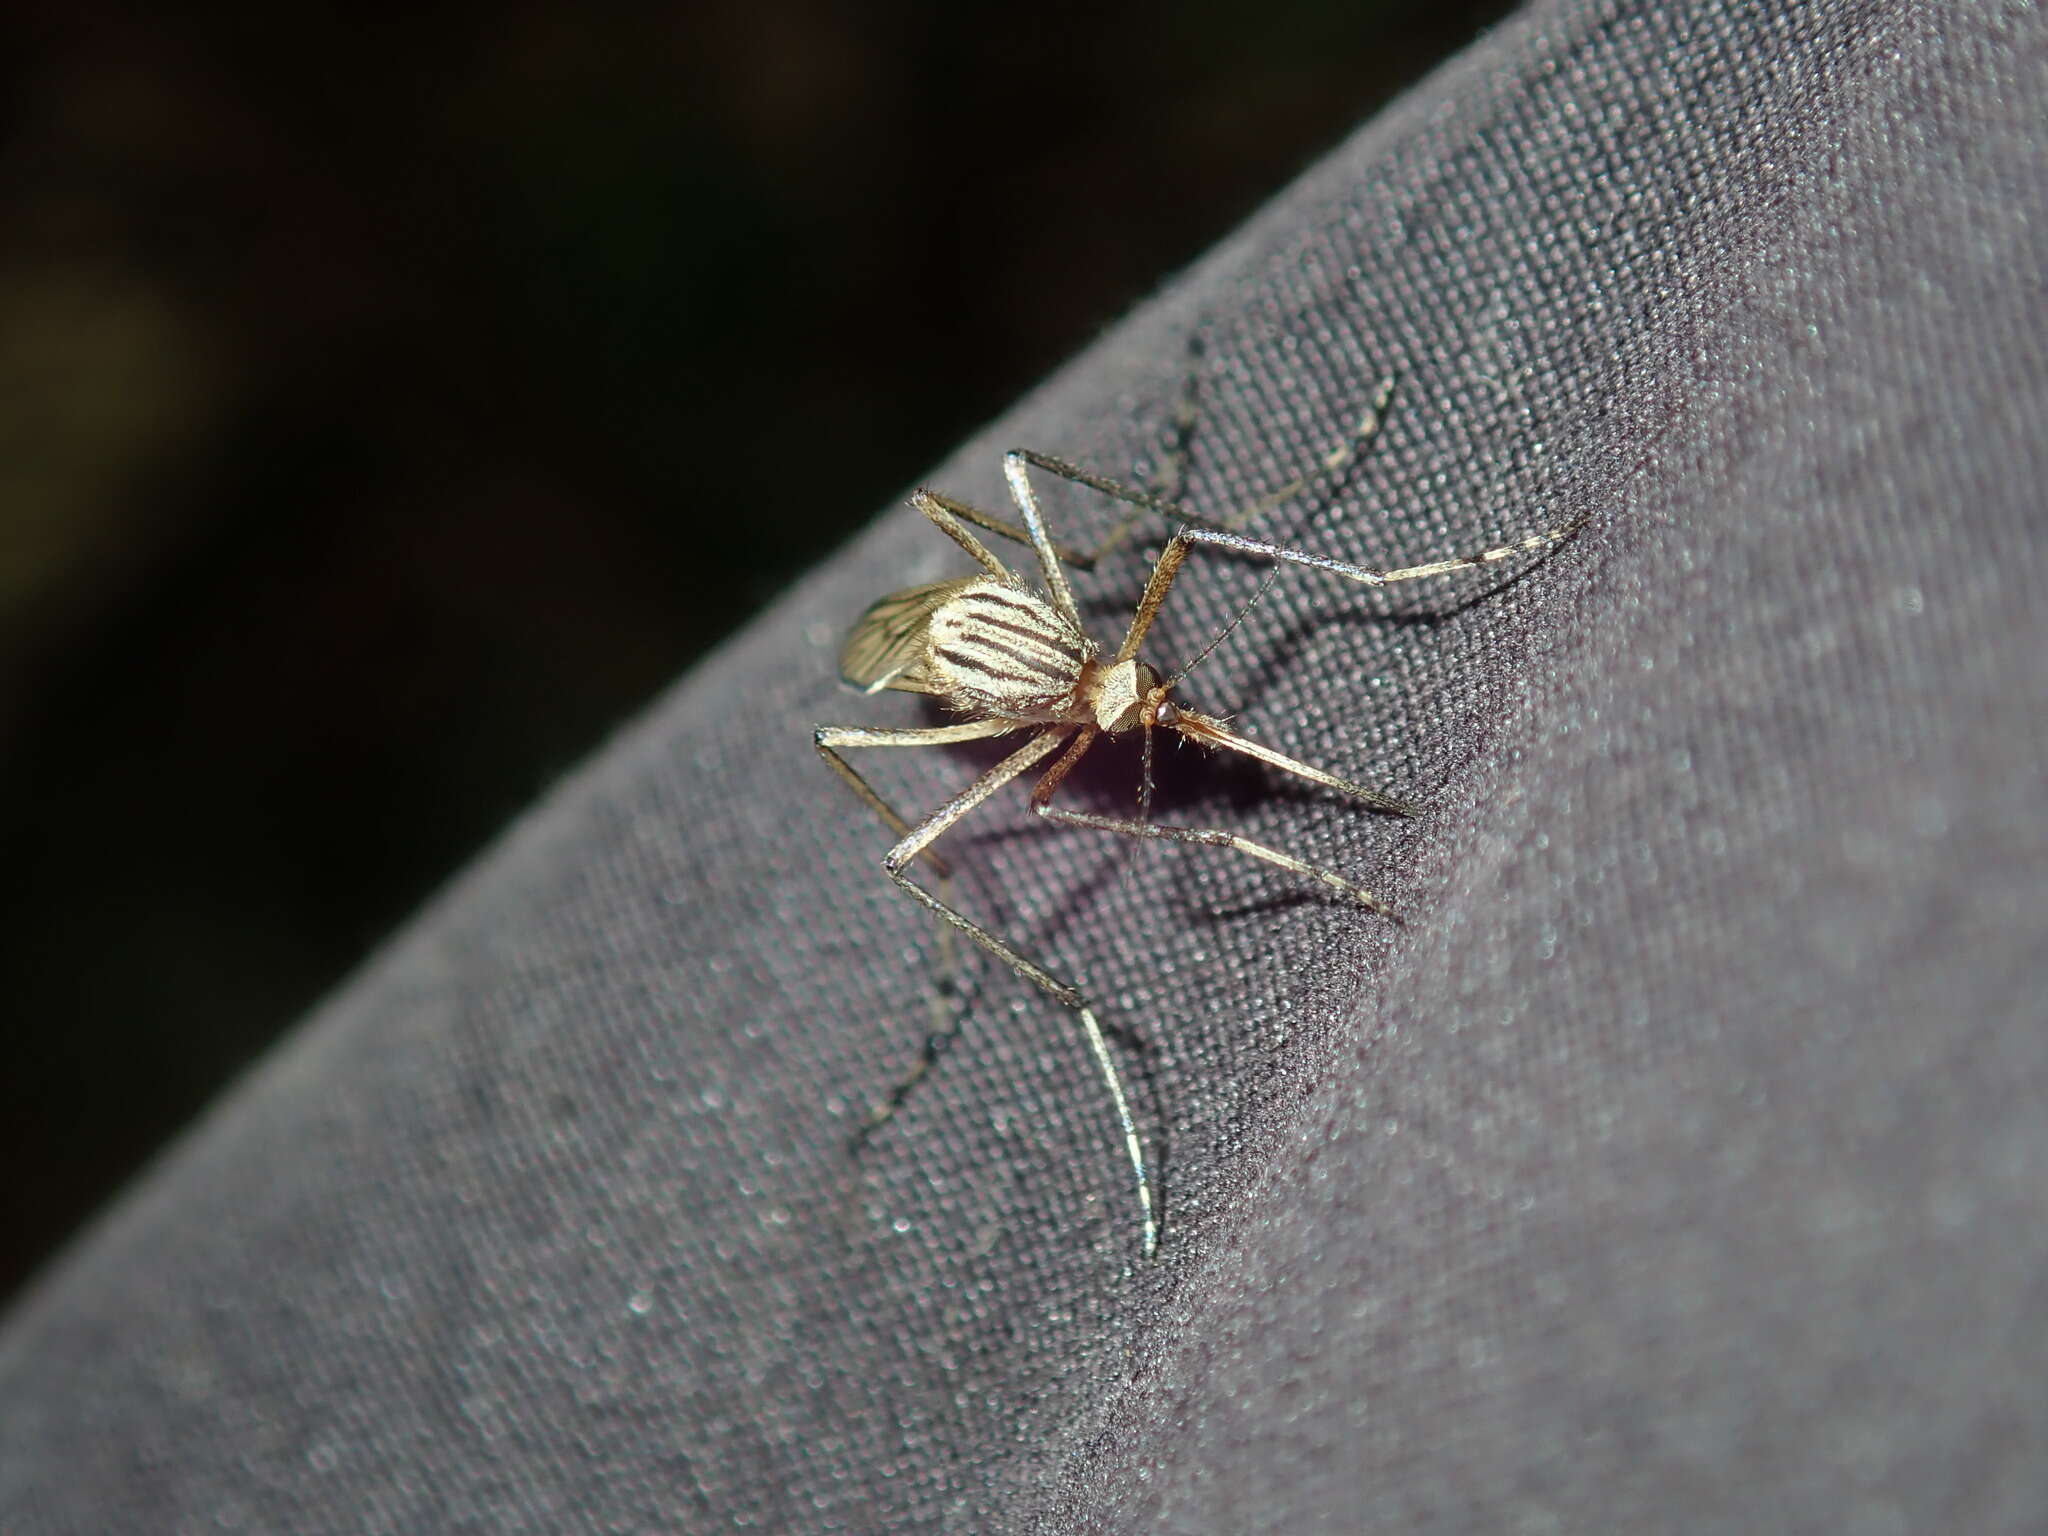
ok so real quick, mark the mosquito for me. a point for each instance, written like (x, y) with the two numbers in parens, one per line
(1006, 656)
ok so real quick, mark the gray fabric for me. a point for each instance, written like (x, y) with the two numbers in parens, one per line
(1677, 1162)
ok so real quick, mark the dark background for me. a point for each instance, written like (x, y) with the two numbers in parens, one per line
(389, 405)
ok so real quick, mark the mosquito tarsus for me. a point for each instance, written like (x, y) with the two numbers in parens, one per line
(1005, 656)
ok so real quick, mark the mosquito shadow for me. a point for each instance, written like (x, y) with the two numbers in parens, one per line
(1284, 651)
(1212, 916)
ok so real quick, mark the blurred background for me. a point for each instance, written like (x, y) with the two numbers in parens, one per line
(390, 403)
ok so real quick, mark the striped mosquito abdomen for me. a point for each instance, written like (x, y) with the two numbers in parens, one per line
(996, 649)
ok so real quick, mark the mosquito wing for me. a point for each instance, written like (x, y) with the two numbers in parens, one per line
(887, 646)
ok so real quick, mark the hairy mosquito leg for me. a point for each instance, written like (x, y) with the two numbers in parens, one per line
(1167, 567)
(1215, 838)
(1215, 733)
(1166, 487)
(942, 997)
(1496, 553)
(828, 739)
(1079, 559)
(941, 510)
(920, 839)
(1371, 576)
(1049, 565)
(1221, 534)
(1330, 464)
(1163, 497)
(1098, 1045)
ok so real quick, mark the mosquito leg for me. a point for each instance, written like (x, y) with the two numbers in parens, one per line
(1091, 1028)
(1163, 495)
(828, 739)
(1157, 585)
(1165, 488)
(1497, 552)
(1195, 527)
(1368, 575)
(921, 837)
(941, 510)
(1214, 838)
(1050, 781)
(943, 994)
(1049, 566)
(1216, 734)
(1221, 532)
(1333, 462)
(1167, 567)
(1080, 559)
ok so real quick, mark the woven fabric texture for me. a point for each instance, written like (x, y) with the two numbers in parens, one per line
(1676, 1161)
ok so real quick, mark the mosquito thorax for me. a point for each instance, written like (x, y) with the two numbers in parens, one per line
(1122, 691)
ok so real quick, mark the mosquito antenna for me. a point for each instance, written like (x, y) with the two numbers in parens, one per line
(1223, 634)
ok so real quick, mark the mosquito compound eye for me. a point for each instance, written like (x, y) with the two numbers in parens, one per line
(1165, 714)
